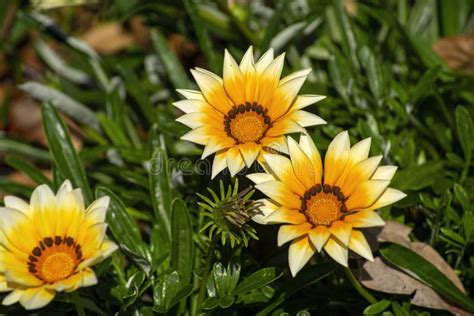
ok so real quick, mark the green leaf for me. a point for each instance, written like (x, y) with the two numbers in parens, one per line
(9, 146)
(417, 177)
(258, 279)
(202, 34)
(349, 41)
(159, 182)
(454, 15)
(377, 308)
(173, 66)
(462, 197)
(168, 291)
(121, 225)
(275, 22)
(63, 153)
(74, 109)
(182, 244)
(31, 171)
(113, 131)
(374, 72)
(424, 85)
(464, 129)
(426, 272)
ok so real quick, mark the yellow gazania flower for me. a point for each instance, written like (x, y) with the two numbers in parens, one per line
(324, 209)
(250, 109)
(48, 245)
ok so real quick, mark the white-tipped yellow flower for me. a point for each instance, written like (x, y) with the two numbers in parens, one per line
(246, 111)
(48, 245)
(325, 209)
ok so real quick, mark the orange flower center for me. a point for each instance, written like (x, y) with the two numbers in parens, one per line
(247, 123)
(323, 204)
(54, 259)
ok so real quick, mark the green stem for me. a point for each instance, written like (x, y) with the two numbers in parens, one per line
(359, 288)
(207, 272)
(464, 172)
(461, 256)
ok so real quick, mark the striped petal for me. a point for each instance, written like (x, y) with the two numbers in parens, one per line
(199, 136)
(299, 253)
(365, 218)
(191, 94)
(283, 127)
(359, 173)
(384, 173)
(191, 106)
(285, 216)
(342, 231)
(268, 82)
(302, 165)
(336, 158)
(34, 298)
(390, 196)
(336, 250)
(306, 100)
(260, 177)
(280, 193)
(233, 79)
(235, 162)
(283, 169)
(219, 163)
(296, 74)
(287, 233)
(284, 96)
(311, 151)
(305, 119)
(264, 61)
(249, 152)
(216, 144)
(366, 194)
(213, 90)
(359, 245)
(319, 236)
(17, 204)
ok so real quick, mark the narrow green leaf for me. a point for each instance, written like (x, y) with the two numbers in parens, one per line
(462, 197)
(426, 272)
(63, 153)
(182, 245)
(31, 171)
(258, 279)
(465, 131)
(202, 34)
(424, 85)
(113, 131)
(76, 110)
(273, 25)
(173, 66)
(377, 308)
(9, 146)
(349, 41)
(454, 15)
(121, 225)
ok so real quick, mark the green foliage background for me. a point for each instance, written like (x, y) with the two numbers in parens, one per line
(382, 79)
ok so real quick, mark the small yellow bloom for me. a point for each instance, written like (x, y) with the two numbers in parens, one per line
(48, 245)
(324, 209)
(247, 110)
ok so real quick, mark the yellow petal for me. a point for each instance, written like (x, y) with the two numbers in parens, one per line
(267, 209)
(235, 162)
(296, 74)
(191, 106)
(213, 90)
(299, 253)
(219, 163)
(319, 236)
(311, 151)
(264, 61)
(17, 204)
(191, 94)
(249, 152)
(306, 119)
(234, 81)
(260, 177)
(34, 298)
(13, 297)
(286, 216)
(284, 96)
(366, 194)
(357, 174)
(336, 250)
(249, 72)
(359, 245)
(283, 169)
(280, 193)
(199, 136)
(342, 231)
(268, 83)
(215, 144)
(360, 151)
(336, 158)
(390, 196)
(384, 173)
(287, 233)
(284, 126)
(305, 100)
(365, 218)
(275, 143)
(302, 166)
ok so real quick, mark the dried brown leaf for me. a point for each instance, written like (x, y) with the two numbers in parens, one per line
(384, 277)
(108, 38)
(457, 52)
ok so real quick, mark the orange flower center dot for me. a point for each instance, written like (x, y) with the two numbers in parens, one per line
(247, 123)
(323, 204)
(54, 259)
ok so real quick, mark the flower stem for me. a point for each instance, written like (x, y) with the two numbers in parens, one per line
(359, 288)
(207, 272)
